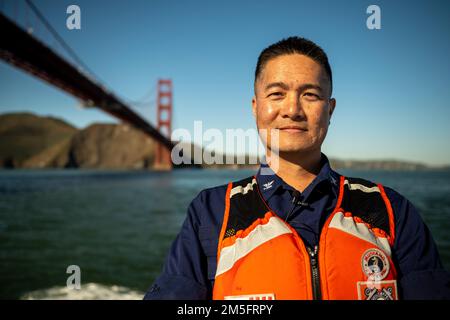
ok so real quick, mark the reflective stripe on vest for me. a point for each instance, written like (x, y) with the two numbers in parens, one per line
(260, 256)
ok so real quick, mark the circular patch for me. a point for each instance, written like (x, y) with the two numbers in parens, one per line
(375, 264)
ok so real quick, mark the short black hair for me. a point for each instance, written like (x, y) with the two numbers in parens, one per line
(294, 45)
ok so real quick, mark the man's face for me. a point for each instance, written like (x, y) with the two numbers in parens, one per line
(292, 98)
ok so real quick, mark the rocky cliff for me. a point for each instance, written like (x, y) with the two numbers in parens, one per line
(24, 136)
(111, 146)
(30, 141)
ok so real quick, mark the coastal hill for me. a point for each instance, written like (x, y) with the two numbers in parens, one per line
(31, 141)
(24, 135)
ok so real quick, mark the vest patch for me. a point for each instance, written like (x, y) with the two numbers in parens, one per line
(265, 296)
(377, 290)
(375, 264)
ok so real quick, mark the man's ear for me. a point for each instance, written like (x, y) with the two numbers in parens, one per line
(332, 104)
(254, 106)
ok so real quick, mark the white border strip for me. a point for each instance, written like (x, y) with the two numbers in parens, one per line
(243, 190)
(243, 246)
(359, 230)
(357, 186)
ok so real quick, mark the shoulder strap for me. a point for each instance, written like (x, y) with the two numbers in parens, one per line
(369, 202)
(245, 206)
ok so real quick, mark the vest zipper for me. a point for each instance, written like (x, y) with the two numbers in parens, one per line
(317, 295)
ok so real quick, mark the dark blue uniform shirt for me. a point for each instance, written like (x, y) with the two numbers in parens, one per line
(189, 270)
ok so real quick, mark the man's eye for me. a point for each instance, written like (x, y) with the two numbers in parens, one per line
(311, 95)
(275, 94)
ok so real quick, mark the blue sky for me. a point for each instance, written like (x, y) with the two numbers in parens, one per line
(391, 85)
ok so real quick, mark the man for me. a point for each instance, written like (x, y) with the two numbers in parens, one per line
(298, 229)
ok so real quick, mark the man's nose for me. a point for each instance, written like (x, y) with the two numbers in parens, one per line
(292, 108)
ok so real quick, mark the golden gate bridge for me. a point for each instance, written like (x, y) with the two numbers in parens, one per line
(21, 49)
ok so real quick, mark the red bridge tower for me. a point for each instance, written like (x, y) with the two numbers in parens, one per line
(164, 123)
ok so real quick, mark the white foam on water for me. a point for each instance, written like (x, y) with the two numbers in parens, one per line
(89, 291)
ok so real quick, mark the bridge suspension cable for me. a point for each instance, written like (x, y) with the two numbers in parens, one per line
(58, 38)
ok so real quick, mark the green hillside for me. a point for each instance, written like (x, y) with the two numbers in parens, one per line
(23, 135)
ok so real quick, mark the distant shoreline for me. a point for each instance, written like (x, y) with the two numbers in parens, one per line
(29, 141)
(227, 167)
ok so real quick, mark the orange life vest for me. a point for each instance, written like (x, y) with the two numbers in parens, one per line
(260, 256)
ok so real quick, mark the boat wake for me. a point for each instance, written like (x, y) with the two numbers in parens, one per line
(89, 291)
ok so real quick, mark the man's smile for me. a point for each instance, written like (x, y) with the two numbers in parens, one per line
(293, 129)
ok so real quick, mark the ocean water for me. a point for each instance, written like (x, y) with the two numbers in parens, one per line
(117, 226)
